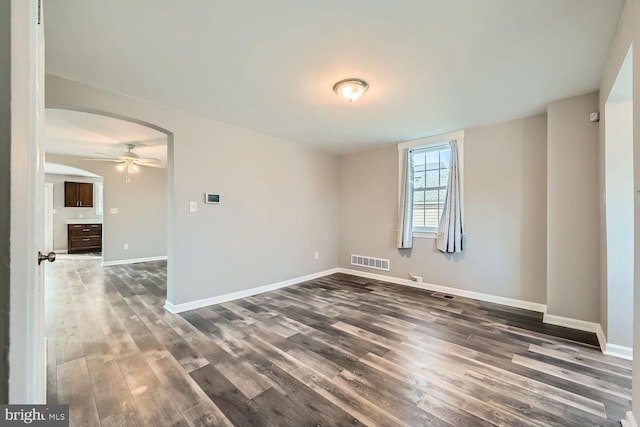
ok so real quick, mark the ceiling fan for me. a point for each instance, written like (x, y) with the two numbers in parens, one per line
(130, 162)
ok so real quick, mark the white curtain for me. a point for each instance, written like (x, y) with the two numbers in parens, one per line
(405, 201)
(450, 229)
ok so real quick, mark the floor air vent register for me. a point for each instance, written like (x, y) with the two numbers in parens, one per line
(370, 262)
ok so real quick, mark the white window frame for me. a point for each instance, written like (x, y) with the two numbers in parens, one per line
(431, 142)
(98, 195)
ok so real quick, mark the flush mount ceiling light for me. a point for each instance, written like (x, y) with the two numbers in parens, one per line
(350, 89)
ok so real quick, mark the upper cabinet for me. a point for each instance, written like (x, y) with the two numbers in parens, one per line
(78, 194)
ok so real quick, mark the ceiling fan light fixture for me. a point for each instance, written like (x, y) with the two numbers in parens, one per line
(350, 89)
(133, 168)
(120, 167)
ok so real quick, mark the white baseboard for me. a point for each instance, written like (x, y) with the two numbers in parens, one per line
(568, 322)
(133, 260)
(192, 305)
(608, 349)
(527, 305)
(618, 351)
(581, 325)
(602, 338)
(629, 421)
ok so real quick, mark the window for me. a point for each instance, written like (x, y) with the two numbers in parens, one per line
(426, 162)
(98, 189)
(430, 178)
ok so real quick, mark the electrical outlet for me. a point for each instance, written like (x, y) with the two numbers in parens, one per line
(113, 211)
(316, 255)
(126, 246)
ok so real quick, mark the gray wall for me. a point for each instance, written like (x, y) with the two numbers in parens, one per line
(5, 182)
(504, 206)
(63, 214)
(142, 210)
(572, 209)
(279, 199)
(628, 34)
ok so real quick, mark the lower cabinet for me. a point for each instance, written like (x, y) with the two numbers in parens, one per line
(84, 238)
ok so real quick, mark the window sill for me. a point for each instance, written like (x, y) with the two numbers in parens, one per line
(424, 235)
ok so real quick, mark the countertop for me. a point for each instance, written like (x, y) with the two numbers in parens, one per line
(84, 221)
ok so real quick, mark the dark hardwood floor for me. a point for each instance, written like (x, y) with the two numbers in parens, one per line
(336, 351)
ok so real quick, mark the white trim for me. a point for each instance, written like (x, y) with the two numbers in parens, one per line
(629, 421)
(435, 139)
(568, 322)
(133, 260)
(607, 349)
(192, 305)
(602, 339)
(98, 197)
(424, 235)
(618, 351)
(527, 305)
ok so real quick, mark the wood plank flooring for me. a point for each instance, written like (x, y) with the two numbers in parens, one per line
(336, 351)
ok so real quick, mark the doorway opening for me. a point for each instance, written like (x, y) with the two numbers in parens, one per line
(133, 214)
(72, 229)
(619, 212)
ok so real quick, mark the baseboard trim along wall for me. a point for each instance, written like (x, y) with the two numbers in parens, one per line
(133, 260)
(608, 349)
(192, 305)
(618, 351)
(527, 305)
(630, 420)
(582, 325)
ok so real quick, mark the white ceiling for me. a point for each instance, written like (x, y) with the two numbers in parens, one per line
(59, 169)
(432, 65)
(94, 136)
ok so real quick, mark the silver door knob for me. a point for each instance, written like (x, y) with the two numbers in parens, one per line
(51, 256)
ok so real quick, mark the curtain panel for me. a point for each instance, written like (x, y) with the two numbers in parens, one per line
(405, 201)
(450, 229)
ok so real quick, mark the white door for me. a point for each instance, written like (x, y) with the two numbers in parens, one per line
(40, 353)
(27, 350)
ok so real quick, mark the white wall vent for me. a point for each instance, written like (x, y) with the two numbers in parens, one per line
(370, 262)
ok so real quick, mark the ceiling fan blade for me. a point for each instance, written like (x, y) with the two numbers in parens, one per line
(103, 160)
(154, 165)
(148, 160)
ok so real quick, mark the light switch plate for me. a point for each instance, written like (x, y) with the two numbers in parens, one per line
(193, 206)
(113, 211)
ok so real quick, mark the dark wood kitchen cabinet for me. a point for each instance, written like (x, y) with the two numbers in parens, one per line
(78, 194)
(84, 238)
